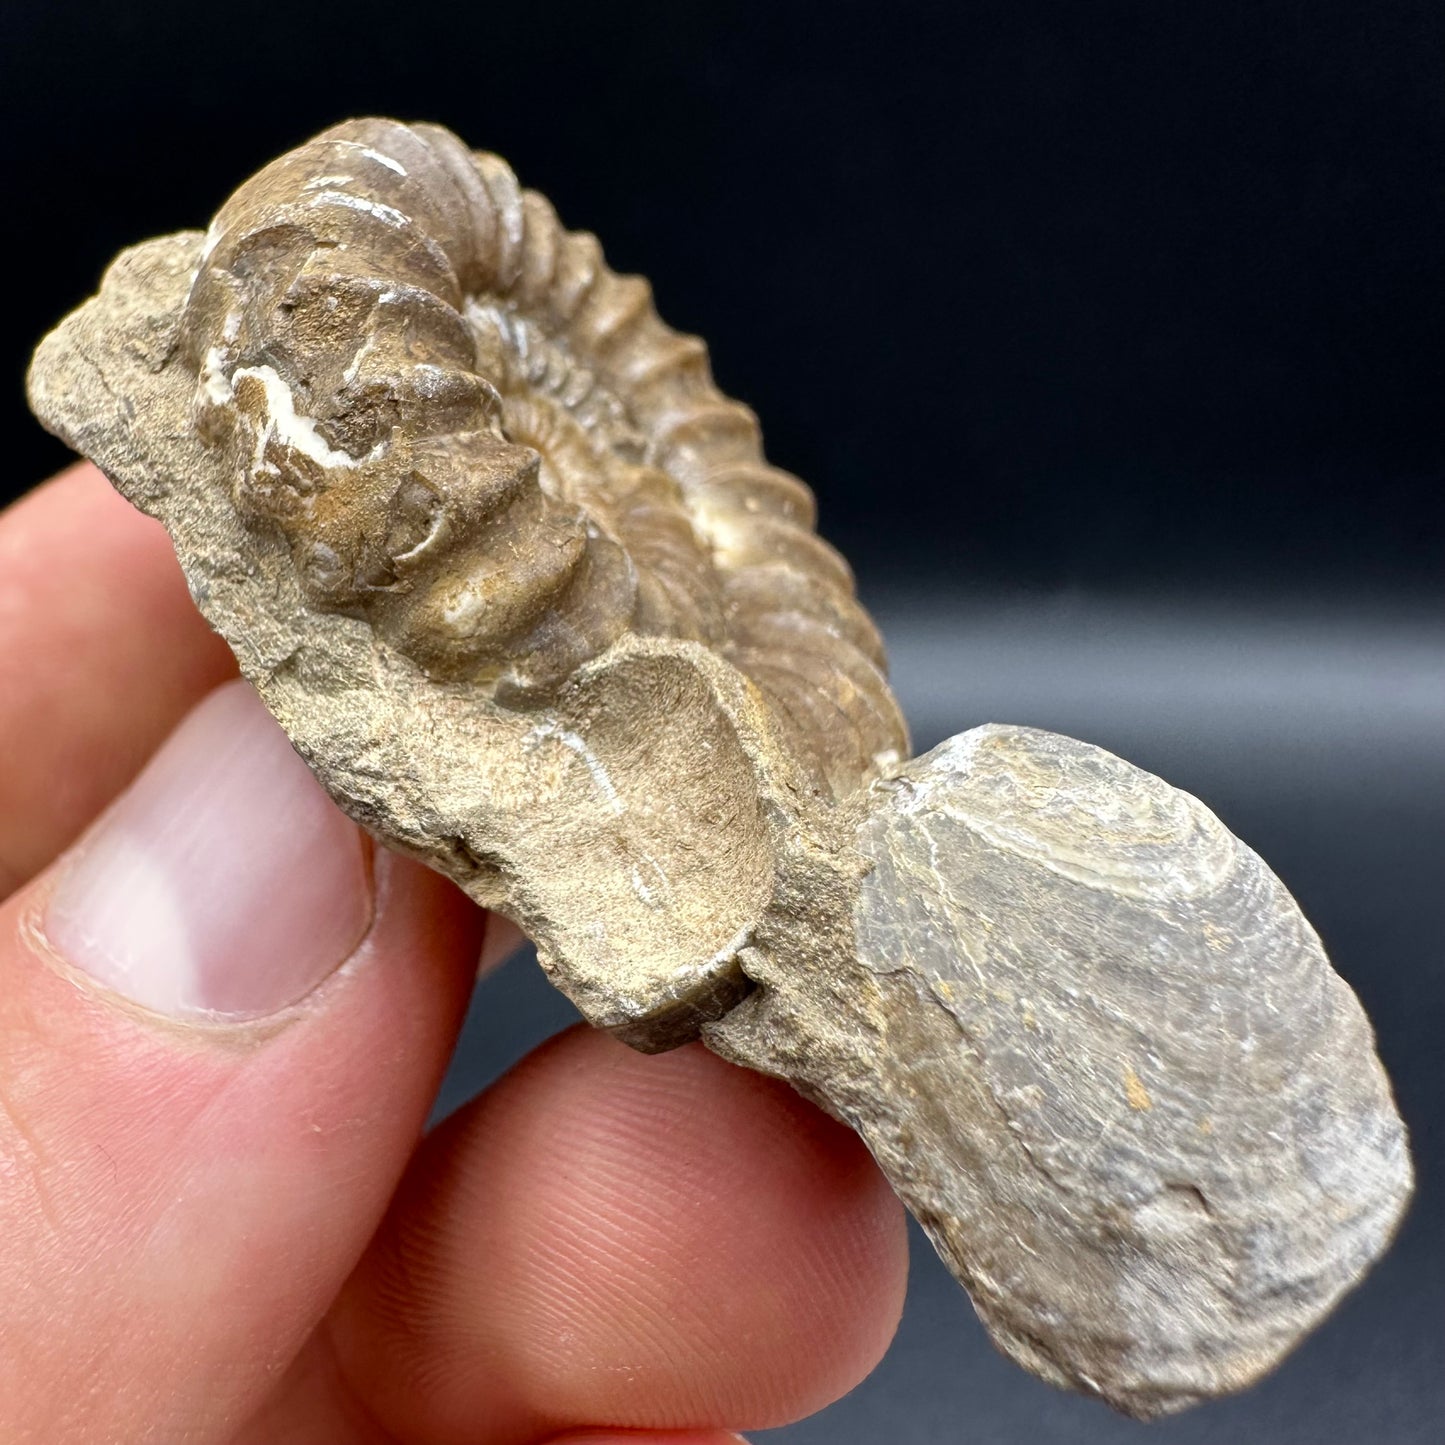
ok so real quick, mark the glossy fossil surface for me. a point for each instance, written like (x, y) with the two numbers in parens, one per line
(475, 435)
(522, 588)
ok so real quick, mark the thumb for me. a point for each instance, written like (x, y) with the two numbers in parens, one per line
(222, 1020)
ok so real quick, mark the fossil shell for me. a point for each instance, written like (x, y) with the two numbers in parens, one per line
(515, 578)
(508, 568)
(473, 433)
(1109, 1067)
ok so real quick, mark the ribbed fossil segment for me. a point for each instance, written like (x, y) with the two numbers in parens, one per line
(627, 816)
(519, 584)
(1180, 1147)
(474, 434)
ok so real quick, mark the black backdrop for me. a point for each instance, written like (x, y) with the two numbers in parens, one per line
(1111, 337)
(1040, 291)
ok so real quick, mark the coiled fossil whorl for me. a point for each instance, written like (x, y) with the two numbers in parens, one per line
(474, 434)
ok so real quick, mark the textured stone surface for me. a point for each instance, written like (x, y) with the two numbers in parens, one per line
(525, 594)
(1108, 1065)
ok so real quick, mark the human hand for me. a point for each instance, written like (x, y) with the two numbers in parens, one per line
(219, 1230)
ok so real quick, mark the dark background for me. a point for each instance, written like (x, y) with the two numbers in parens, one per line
(1111, 337)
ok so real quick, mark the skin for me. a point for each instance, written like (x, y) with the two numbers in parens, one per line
(238, 1234)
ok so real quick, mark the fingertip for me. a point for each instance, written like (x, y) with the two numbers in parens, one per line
(658, 1243)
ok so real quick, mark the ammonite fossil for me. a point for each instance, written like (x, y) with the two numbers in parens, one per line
(521, 587)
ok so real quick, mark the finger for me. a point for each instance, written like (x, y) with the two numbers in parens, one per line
(664, 1243)
(101, 652)
(224, 1021)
